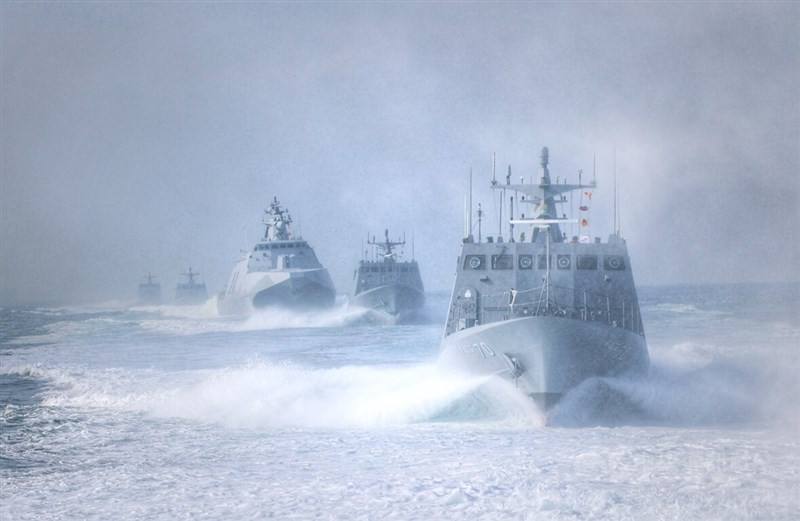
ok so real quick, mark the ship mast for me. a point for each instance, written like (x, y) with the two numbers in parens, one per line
(191, 275)
(277, 221)
(545, 196)
(387, 246)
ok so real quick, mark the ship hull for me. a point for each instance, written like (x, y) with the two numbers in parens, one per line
(297, 290)
(394, 299)
(546, 356)
(295, 293)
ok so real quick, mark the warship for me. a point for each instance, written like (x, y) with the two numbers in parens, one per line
(387, 283)
(190, 292)
(281, 271)
(541, 310)
(150, 291)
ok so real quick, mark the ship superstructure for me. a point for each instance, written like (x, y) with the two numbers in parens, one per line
(280, 271)
(386, 282)
(149, 291)
(540, 309)
(190, 292)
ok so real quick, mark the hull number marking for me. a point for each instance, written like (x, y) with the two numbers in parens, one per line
(481, 348)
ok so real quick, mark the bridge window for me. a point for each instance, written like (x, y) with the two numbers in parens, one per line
(475, 262)
(586, 262)
(614, 262)
(525, 262)
(502, 262)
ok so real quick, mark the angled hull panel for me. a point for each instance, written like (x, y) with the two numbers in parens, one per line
(294, 289)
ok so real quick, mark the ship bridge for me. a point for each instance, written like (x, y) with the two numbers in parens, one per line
(282, 255)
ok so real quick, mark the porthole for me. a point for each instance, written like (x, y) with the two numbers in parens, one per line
(614, 262)
(475, 262)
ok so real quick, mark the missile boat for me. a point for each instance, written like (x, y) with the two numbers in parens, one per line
(386, 283)
(544, 311)
(149, 291)
(190, 292)
(280, 271)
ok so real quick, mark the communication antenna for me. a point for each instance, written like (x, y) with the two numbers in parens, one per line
(511, 221)
(412, 244)
(466, 234)
(615, 192)
(470, 204)
(480, 214)
(619, 223)
(572, 204)
(500, 216)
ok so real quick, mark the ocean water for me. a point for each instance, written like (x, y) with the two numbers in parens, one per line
(175, 413)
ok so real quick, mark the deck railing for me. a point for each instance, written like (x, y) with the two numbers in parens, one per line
(591, 307)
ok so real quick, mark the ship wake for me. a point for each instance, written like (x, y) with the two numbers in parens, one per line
(264, 395)
(688, 386)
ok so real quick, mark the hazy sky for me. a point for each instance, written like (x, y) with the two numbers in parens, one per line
(142, 137)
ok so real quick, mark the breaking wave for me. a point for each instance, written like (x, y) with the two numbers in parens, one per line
(689, 385)
(265, 395)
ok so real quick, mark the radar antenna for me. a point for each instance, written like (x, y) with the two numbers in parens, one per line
(387, 246)
(544, 197)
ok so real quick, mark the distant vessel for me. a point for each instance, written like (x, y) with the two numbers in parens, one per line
(387, 283)
(545, 312)
(190, 292)
(281, 271)
(150, 291)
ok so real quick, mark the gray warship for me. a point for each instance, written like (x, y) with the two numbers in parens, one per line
(544, 311)
(281, 271)
(149, 291)
(387, 283)
(190, 292)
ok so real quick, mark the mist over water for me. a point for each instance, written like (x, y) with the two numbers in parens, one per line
(149, 137)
